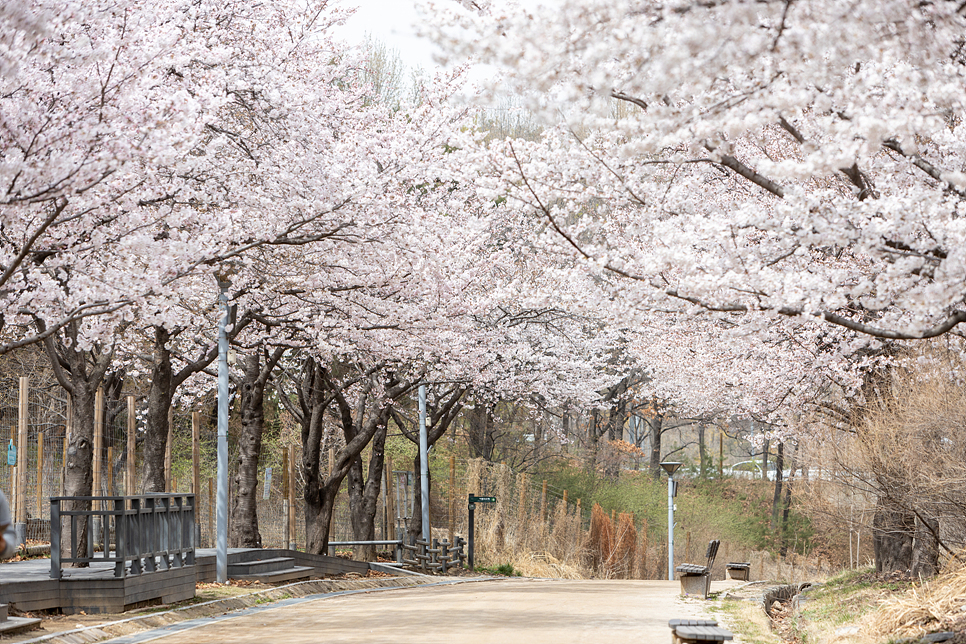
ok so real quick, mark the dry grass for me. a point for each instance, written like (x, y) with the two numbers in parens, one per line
(537, 540)
(935, 605)
(545, 537)
(749, 622)
(903, 453)
(600, 540)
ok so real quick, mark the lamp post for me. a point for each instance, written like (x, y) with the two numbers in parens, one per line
(670, 467)
(423, 464)
(221, 545)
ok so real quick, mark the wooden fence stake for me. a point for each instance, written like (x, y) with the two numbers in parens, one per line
(196, 454)
(331, 468)
(167, 452)
(720, 453)
(110, 470)
(452, 499)
(286, 536)
(63, 465)
(211, 505)
(40, 475)
(68, 429)
(390, 500)
(20, 496)
(130, 482)
(98, 444)
(291, 498)
(543, 502)
(14, 436)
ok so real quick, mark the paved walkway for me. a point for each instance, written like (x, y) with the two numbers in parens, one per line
(502, 611)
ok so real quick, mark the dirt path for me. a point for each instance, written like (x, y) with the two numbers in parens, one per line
(503, 611)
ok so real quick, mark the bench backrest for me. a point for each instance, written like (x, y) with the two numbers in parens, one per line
(712, 552)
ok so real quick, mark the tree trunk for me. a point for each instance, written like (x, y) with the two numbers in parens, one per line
(787, 505)
(415, 531)
(79, 471)
(764, 461)
(364, 492)
(160, 395)
(702, 452)
(656, 422)
(777, 497)
(318, 503)
(164, 383)
(244, 511)
(80, 372)
(925, 548)
(480, 436)
(317, 391)
(892, 533)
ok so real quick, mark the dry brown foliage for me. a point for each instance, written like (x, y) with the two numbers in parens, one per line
(623, 562)
(537, 541)
(600, 541)
(907, 450)
(938, 604)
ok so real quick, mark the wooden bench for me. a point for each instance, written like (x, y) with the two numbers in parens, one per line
(738, 570)
(695, 578)
(696, 631)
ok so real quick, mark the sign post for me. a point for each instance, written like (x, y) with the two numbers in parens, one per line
(472, 508)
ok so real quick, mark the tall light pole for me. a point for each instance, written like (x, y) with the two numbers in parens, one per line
(423, 464)
(670, 467)
(221, 545)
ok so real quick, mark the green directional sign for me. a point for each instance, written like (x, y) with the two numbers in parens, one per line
(482, 499)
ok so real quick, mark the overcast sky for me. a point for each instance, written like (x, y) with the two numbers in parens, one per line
(392, 22)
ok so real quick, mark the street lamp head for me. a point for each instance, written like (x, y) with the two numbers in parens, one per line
(671, 467)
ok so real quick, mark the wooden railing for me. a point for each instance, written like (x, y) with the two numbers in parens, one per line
(139, 534)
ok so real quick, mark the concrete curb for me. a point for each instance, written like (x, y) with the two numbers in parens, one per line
(158, 625)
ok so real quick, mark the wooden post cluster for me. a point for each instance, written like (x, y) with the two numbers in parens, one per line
(440, 556)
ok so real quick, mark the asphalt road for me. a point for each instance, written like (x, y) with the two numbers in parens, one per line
(503, 611)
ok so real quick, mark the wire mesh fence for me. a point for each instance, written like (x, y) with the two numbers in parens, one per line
(36, 420)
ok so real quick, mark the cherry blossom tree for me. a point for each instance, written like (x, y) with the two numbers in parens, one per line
(800, 160)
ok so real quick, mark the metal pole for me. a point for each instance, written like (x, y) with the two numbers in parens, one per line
(670, 528)
(221, 553)
(423, 462)
(472, 540)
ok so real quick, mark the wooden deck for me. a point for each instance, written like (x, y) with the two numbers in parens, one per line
(28, 587)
